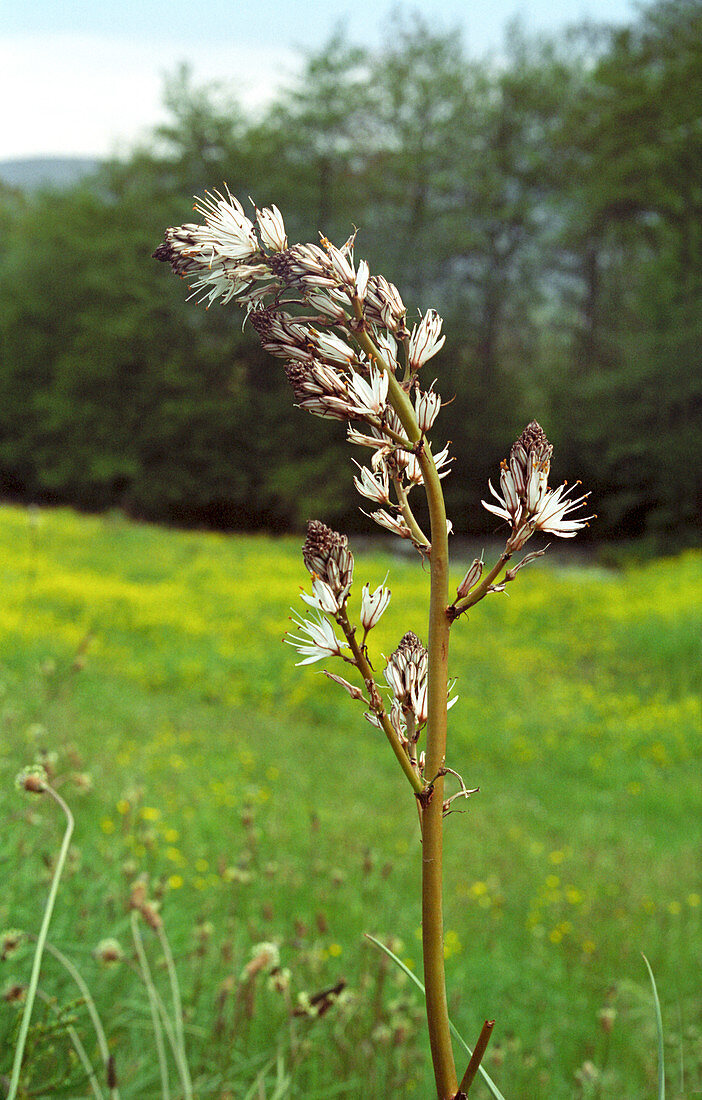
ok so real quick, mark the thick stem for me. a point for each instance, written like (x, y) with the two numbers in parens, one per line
(432, 822)
(432, 816)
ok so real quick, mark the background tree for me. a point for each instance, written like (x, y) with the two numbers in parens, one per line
(549, 207)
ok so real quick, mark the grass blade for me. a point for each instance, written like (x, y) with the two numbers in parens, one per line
(495, 1092)
(659, 1032)
(40, 944)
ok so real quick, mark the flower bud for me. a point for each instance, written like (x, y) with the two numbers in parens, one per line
(427, 405)
(327, 556)
(373, 605)
(472, 577)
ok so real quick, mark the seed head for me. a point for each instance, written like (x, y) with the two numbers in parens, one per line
(32, 779)
(10, 942)
(109, 952)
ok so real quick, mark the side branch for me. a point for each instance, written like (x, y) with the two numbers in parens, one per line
(363, 666)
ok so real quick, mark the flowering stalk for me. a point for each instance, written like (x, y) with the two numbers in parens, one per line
(432, 797)
(350, 357)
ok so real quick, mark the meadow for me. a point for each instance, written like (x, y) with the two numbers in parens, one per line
(145, 667)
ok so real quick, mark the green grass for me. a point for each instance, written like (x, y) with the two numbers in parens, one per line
(261, 804)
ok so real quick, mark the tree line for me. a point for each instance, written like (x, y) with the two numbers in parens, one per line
(549, 206)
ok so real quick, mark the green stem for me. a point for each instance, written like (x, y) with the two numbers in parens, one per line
(418, 535)
(433, 818)
(177, 1013)
(480, 590)
(90, 1006)
(79, 1049)
(41, 942)
(153, 1005)
(437, 690)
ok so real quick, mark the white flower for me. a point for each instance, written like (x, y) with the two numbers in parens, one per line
(526, 502)
(537, 482)
(227, 230)
(316, 640)
(387, 346)
(512, 502)
(353, 691)
(371, 396)
(506, 507)
(553, 509)
(331, 347)
(362, 276)
(306, 264)
(427, 406)
(413, 469)
(323, 598)
(425, 340)
(395, 524)
(373, 605)
(331, 302)
(272, 228)
(384, 304)
(374, 488)
(471, 578)
(442, 461)
(340, 262)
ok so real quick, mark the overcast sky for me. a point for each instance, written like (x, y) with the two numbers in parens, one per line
(84, 77)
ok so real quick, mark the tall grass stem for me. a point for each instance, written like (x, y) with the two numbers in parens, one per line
(177, 1013)
(90, 1006)
(153, 1004)
(40, 945)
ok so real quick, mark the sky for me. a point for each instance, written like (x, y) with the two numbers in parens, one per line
(85, 78)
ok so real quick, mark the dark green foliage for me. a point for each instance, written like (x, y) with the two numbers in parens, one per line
(550, 209)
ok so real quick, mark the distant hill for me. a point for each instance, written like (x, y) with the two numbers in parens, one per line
(32, 173)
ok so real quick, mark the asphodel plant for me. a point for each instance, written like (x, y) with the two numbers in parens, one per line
(350, 355)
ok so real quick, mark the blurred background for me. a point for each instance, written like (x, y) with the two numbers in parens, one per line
(538, 181)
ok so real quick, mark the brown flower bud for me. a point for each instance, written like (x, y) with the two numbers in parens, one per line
(327, 556)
